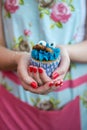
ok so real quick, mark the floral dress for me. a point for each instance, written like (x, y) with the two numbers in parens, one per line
(25, 23)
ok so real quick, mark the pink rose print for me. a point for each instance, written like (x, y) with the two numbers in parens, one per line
(11, 5)
(60, 12)
(27, 32)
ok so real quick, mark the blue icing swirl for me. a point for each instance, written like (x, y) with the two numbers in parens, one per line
(45, 56)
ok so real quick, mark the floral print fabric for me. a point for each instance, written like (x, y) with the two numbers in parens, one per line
(60, 12)
(60, 21)
(11, 6)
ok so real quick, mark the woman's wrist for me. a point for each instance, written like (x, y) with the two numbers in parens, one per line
(68, 48)
(10, 59)
(64, 48)
(18, 55)
(64, 52)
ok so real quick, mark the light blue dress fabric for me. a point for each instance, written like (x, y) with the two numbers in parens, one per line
(41, 24)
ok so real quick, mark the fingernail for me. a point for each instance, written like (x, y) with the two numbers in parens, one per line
(34, 70)
(51, 84)
(40, 70)
(59, 83)
(55, 75)
(33, 85)
(31, 69)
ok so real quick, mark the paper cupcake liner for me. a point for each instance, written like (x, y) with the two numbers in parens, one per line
(49, 66)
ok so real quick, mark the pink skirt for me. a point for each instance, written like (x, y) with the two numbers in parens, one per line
(17, 115)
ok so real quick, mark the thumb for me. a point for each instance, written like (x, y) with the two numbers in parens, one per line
(61, 71)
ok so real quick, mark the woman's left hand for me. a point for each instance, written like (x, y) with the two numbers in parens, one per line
(63, 67)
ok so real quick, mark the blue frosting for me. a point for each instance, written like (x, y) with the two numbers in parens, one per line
(45, 56)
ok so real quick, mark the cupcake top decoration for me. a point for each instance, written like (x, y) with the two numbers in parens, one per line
(44, 51)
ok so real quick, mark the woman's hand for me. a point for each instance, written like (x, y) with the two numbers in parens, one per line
(59, 74)
(22, 64)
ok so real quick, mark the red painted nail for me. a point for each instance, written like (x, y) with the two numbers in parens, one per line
(51, 84)
(55, 75)
(40, 70)
(34, 85)
(31, 69)
(34, 70)
(61, 84)
(57, 84)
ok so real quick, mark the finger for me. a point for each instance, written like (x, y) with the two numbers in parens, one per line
(24, 76)
(58, 83)
(29, 88)
(45, 88)
(36, 76)
(59, 73)
(40, 90)
(30, 70)
(63, 67)
(59, 78)
(43, 75)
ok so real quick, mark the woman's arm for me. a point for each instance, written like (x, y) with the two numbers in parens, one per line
(78, 52)
(2, 41)
(8, 58)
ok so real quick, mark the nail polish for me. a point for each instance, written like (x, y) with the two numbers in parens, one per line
(57, 84)
(31, 69)
(61, 84)
(33, 85)
(34, 70)
(40, 70)
(55, 75)
(51, 84)
(61, 80)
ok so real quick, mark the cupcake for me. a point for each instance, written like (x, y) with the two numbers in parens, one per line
(45, 55)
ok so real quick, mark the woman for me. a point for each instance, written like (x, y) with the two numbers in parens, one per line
(25, 23)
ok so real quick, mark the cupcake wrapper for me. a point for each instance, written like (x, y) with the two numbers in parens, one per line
(48, 66)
